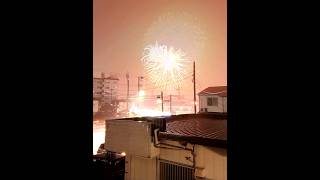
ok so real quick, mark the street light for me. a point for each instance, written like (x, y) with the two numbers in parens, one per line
(141, 93)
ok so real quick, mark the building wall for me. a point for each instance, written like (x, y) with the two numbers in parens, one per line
(140, 168)
(221, 107)
(102, 88)
(211, 163)
(95, 106)
(178, 156)
(97, 87)
(133, 137)
(110, 88)
(225, 104)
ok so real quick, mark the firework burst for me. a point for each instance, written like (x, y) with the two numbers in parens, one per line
(179, 29)
(165, 66)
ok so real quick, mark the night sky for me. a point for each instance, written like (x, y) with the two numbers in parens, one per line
(122, 28)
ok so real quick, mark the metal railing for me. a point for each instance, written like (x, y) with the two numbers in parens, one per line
(175, 171)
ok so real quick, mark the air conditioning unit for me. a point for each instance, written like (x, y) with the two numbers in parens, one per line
(133, 137)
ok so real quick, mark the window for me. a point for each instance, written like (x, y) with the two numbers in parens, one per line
(212, 101)
(174, 171)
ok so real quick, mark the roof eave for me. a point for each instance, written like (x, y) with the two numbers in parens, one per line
(219, 143)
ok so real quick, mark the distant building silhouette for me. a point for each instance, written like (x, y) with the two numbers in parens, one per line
(105, 89)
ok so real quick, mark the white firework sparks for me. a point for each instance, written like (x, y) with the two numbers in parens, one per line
(165, 66)
(179, 29)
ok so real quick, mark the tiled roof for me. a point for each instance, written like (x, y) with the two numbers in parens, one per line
(204, 129)
(217, 90)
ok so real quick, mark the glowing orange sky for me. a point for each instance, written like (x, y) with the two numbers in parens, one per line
(119, 29)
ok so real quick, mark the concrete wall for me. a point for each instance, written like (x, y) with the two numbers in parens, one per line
(221, 107)
(131, 137)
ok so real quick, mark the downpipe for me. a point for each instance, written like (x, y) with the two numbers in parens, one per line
(157, 144)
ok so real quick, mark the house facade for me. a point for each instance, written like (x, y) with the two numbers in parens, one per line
(213, 99)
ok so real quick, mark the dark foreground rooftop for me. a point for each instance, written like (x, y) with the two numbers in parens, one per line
(203, 129)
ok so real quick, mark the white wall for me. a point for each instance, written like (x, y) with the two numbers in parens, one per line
(211, 163)
(141, 160)
(222, 103)
(176, 155)
(140, 168)
(132, 137)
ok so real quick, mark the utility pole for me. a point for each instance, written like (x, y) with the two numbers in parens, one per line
(139, 90)
(170, 104)
(110, 95)
(194, 87)
(138, 84)
(103, 93)
(127, 76)
(162, 101)
(138, 104)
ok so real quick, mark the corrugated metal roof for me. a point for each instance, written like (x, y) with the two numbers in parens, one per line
(204, 129)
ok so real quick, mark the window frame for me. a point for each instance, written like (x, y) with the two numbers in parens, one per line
(214, 101)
